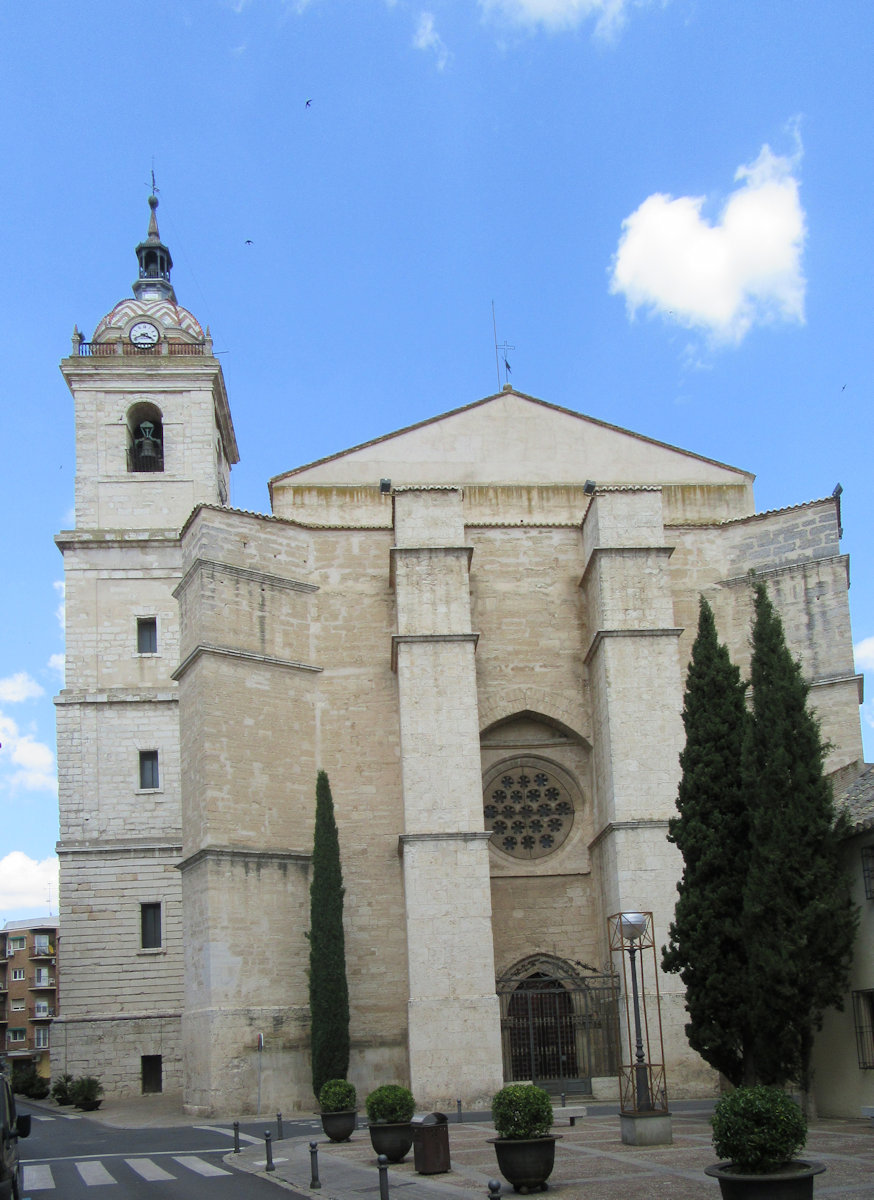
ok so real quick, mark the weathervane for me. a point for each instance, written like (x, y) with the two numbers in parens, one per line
(504, 347)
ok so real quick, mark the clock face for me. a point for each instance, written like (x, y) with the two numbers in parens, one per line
(144, 333)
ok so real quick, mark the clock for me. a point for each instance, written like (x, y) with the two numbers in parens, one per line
(144, 333)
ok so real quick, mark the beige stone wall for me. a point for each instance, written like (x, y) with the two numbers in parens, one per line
(841, 1087)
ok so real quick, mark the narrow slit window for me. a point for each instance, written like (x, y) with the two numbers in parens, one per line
(150, 926)
(147, 635)
(149, 777)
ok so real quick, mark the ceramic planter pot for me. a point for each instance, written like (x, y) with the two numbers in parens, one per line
(339, 1126)
(794, 1182)
(526, 1163)
(394, 1141)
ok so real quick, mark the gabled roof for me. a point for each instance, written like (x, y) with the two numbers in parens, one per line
(513, 438)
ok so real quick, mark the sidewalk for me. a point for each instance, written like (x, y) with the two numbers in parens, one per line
(591, 1163)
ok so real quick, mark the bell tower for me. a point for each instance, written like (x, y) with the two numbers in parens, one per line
(154, 439)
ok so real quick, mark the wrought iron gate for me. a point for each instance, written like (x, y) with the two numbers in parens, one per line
(559, 1027)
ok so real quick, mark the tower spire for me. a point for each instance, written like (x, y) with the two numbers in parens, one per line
(154, 260)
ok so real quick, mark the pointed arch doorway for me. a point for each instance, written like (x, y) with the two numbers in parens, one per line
(559, 1026)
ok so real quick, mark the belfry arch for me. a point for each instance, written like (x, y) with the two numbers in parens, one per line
(145, 437)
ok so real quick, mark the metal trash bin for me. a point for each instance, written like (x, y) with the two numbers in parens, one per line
(431, 1143)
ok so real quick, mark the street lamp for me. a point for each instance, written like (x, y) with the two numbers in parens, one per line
(633, 927)
(644, 1112)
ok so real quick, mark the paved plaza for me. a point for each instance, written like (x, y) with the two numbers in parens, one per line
(591, 1163)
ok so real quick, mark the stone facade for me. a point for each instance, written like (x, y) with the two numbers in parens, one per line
(432, 618)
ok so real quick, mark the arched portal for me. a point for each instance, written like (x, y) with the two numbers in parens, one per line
(559, 1025)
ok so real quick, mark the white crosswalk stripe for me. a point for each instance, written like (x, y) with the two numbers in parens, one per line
(147, 1169)
(38, 1178)
(94, 1173)
(200, 1165)
(244, 1137)
(38, 1117)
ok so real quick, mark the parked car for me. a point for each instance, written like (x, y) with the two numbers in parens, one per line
(12, 1127)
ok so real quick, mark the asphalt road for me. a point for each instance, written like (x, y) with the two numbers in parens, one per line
(68, 1155)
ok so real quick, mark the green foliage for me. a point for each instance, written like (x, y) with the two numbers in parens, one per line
(799, 922)
(337, 1095)
(27, 1081)
(758, 1129)
(390, 1104)
(329, 994)
(706, 946)
(86, 1091)
(764, 924)
(61, 1089)
(521, 1110)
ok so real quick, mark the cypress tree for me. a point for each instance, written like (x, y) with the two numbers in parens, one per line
(329, 995)
(706, 946)
(799, 920)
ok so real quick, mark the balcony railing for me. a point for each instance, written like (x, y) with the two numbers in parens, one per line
(43, 951)
(44, 1014)
(124, 348)
(40, 981)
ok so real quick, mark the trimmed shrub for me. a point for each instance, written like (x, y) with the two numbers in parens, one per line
(86, 1092)
(758, 1129)
(521, 1110)
(337, 1095)
(61, 1089)
(390, 1104)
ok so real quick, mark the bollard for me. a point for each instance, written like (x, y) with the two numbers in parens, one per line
(458, 1107)
(383, 1177)
(236, 1137)
(562, 1099)
(494, 1189)
(270, 1166)
(315, 1182)
(279, 1127)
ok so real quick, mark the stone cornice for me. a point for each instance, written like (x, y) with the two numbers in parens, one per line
(123, 847)
(244, 854)
(622, 552)
(72, 539)
(403, 639)
(261, 577)
(462, 835)
(603, 634)
(139, 695)
(757, 574)
(245, 655)
(150, 1014)
(617, 826)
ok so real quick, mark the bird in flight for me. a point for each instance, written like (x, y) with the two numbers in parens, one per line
(249, 242)
(308, 103)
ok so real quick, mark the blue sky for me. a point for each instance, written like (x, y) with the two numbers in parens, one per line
(669, 203)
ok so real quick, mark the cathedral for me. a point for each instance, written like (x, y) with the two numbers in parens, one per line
(479, 627)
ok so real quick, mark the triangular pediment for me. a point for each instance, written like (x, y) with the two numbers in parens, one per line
(511, 438)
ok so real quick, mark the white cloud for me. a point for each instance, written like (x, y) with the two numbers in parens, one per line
(16, 688)
(609, 15)
(864, 654)
(25, 763)
(724, 276)
(58, 662)
(26, 883)
(426, 37)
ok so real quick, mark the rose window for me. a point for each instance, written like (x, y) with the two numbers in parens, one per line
(528, 810)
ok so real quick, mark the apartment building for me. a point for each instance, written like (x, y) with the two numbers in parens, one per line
(28, 990)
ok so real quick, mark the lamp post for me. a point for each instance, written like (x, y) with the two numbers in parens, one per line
(633, 927)
(644, 1115)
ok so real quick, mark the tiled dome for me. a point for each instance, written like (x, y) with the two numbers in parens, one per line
(175, 322)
